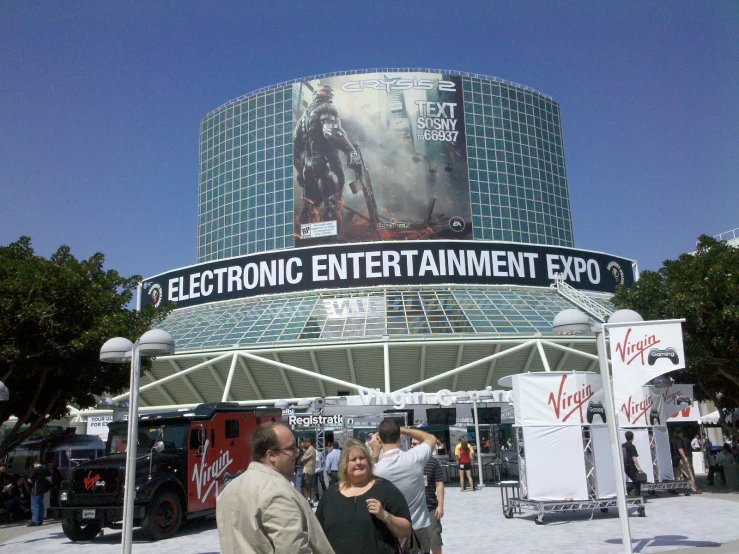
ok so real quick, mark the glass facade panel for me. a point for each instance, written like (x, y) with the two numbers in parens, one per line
(412, 312)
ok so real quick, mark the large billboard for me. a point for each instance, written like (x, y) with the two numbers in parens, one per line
(390, 263)
(380, 156)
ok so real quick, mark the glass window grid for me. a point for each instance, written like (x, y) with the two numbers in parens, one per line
(245, 181)
(359, 314)
(518, 178)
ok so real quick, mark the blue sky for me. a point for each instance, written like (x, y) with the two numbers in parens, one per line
(100, 106)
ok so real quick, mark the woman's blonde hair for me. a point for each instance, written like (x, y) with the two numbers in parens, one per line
(349, 447)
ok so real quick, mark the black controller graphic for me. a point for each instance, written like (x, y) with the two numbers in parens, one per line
(654, 417)
(595, 408)
(683, 402)
(669, 353)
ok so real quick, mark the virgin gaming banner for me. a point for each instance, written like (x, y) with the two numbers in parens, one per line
(387, 263)
(380, 157)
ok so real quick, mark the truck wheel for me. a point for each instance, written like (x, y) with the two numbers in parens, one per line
(77, 530)
(163, 516)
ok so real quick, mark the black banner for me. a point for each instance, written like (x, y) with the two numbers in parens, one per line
(387, 263)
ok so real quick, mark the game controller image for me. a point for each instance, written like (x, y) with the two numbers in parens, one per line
(595, 408)
(654, 418)
(683, 402)
(669, 353)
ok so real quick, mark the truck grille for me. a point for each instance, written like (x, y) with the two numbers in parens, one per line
(101, 481)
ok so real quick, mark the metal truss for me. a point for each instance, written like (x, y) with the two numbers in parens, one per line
(680, 486)
(542, 508)
(573, 295)
(589, 455)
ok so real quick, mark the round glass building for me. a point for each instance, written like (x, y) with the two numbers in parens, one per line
(386, 228)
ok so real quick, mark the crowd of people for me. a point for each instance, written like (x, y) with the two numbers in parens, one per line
(379, 498)
(22, 497)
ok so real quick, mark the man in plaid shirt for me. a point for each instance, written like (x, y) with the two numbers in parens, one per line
(433, 476)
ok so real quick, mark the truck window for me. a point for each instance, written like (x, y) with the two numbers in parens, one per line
(195, 441)
(173, 436)
(232, 428)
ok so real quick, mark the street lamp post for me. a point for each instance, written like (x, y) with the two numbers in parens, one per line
(574, 322)
(119, 350)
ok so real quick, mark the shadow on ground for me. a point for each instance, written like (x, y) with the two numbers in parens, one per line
(666, 540)
(111, 536)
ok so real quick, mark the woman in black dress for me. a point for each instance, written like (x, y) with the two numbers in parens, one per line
(363, 514)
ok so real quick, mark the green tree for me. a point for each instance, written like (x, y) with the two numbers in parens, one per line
(702, 288)
(55, 314)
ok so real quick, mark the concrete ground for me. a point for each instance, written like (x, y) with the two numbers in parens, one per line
(474, 523)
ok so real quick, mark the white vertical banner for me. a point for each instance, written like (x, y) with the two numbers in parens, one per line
(642, 351)
(555, 465)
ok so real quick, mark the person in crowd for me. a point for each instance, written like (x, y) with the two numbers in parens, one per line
(23, 493)
(298, 479)
(39, 485)
(10, 496)
(631, 462)
(465, 455)
(363, 514)
(434, 478)
(309, 468)
(680, 465)
(696, 444)
(713, 466)
(261, 512)
(319, 484)
(725, 457)
(405, 470)
(55, 483)
(332, 463)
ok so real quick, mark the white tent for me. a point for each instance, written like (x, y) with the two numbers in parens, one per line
(710, 419)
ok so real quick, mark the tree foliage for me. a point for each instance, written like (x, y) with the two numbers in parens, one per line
(702, 288)
(55, 314)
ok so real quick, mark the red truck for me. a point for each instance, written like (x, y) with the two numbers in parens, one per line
(185, 458)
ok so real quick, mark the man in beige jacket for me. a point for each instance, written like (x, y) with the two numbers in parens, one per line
(260, 511)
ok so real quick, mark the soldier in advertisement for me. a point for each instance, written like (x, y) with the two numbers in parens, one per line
(317, 140)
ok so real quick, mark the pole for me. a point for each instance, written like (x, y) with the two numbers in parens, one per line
(618, 464)
(133, 434)
(477, 438)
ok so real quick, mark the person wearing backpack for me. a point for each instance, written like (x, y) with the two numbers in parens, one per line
(465, 459)
(39, 482)
(631, 462)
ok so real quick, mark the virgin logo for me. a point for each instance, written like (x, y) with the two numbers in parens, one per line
(567, 403)
(669, 398)
(90, 480)
(629, 350)
(635, 410)
(206, 474)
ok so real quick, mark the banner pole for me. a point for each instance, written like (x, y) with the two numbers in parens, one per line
(611, 420)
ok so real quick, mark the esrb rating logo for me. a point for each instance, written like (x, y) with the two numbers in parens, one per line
(318, 230)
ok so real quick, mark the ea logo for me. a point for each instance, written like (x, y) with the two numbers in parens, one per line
(155, 292)
(616, 272)
(456, 224)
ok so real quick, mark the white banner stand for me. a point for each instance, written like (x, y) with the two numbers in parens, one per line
(564, 452)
